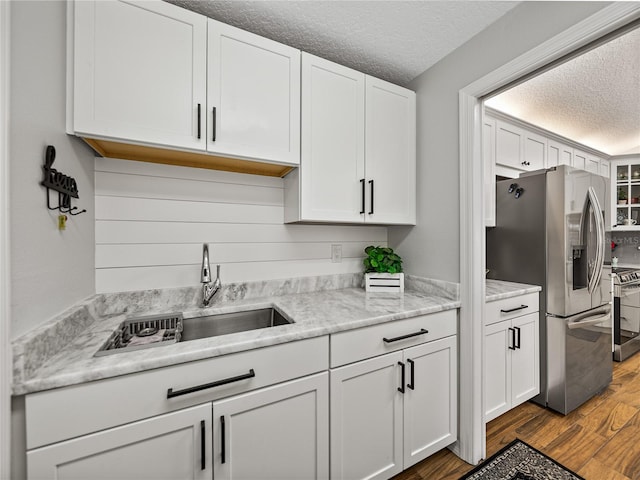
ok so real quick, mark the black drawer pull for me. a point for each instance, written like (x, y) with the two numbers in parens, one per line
(213, 128)
(401, 387)
(517, 342)
(521, 307)
(371, 185)
(171, 393)
(362, 183)
(513, 339)
(412, 382)
(199, 121)
(409, 335)
(203, 463)
(223, 450)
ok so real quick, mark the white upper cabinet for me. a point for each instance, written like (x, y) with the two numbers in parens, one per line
(156, 75)
(139, 72)
(489, 161)
(509, 145)
(535, 151)
(332, 141)
(390, 151)
(358, 149)
(558, 154)
(253, 96)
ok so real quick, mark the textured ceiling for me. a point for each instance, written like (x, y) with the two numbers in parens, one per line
(593, 99)
(392, 40)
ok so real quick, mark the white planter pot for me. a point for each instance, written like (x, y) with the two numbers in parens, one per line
(384, 282)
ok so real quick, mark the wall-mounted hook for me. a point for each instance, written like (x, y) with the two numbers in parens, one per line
(66, 186)
(512, 187)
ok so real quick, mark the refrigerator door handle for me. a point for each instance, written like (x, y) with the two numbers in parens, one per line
(592, 206)
(589, 322)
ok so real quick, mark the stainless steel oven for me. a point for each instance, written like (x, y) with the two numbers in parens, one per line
(626, 313)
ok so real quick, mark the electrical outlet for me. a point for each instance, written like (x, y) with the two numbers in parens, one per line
(336, 253)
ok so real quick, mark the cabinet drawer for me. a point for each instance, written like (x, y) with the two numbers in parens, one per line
(511, 308)
(354, 345)
(64, 413)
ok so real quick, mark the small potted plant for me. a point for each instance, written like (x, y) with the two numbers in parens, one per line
(622, 196)
(383, 270)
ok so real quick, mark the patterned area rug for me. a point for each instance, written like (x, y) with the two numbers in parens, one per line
(519, 461)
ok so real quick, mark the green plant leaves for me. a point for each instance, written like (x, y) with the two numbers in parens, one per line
(382, 260)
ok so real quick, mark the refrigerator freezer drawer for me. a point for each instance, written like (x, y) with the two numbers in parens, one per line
(580, 362)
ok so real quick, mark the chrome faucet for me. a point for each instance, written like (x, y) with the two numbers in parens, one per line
(209, 289)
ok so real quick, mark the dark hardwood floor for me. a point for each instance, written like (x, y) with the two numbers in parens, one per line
(600, 440)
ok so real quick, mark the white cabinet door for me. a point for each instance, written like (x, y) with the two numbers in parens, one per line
(172, 446)
(579, 159)
(592, 164)
(509, 145)
(511, 364)
(253, 96)
(497, 369)
(525, 363)
(430, 400)
(390, 153)
(279, 432)
(489, 161)
(366, 419)
(535, 151)
(559, 154)
(332, 167)
(139, 72)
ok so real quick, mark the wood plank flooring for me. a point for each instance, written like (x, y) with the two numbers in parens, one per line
(600, 440)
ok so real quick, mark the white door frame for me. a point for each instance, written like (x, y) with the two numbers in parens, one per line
(472, 434)
(5, 344)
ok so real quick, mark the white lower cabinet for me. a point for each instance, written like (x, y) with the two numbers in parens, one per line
(366, 419)
(391, 411)
(511, 363)
(172, 446)
(279, 432)
(272, 413)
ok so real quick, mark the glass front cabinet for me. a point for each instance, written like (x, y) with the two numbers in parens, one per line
(625, 194)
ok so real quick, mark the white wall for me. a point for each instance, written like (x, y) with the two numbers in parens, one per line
(152, 219)
(50, 269)
(437, 230)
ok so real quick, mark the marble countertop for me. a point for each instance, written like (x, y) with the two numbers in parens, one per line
(314, 313)
(499, 289)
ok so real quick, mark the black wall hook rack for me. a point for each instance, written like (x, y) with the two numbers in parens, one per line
(66, 186)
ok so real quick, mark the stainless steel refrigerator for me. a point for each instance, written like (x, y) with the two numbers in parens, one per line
(550, 231)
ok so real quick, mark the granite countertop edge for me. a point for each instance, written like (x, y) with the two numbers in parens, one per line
(499, 290)
(315, 314)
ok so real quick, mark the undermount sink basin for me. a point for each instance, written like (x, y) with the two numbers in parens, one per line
(225, 323)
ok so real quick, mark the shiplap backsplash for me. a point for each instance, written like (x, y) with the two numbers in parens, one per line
(152, 219)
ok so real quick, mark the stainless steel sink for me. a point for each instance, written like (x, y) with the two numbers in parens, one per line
(225, 323)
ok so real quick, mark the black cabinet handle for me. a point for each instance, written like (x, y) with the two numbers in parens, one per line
(171, 393)
(521, 307)
(202, 446)
(517, 343)
(362, 183)
(223, 450)
(213, 136)
(199, 121)
(403, 337)
(411, 383)
(513, 339)
(371, 184)
(401, 387)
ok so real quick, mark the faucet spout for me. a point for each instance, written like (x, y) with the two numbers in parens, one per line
(209, 289)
